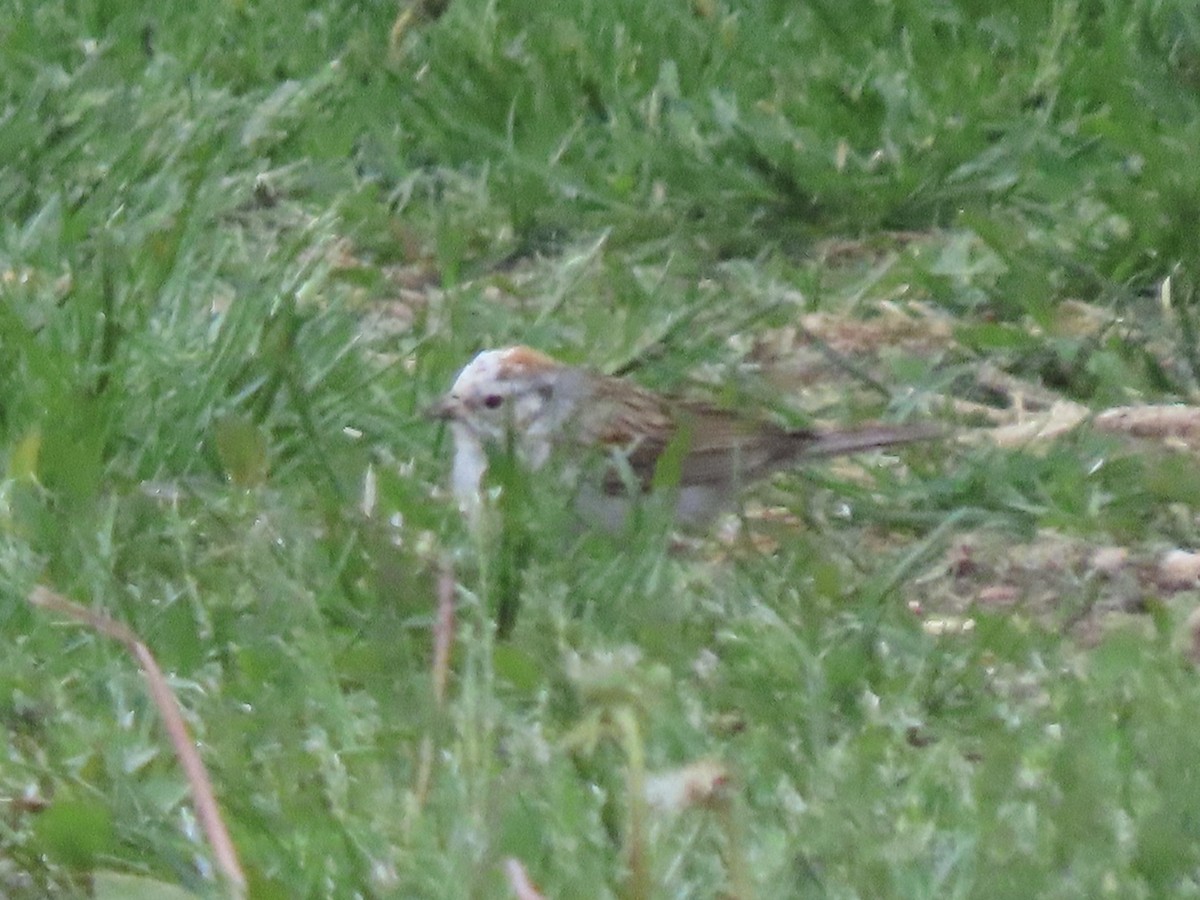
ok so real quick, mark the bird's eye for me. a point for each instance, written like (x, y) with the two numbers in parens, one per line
(493, 401)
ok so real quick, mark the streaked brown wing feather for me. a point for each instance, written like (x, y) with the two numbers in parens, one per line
(629, 421)
(724, 448)
(728, 449)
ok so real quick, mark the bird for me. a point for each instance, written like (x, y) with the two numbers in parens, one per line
(616, 438)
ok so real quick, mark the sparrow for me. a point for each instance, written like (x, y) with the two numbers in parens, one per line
(519, 398)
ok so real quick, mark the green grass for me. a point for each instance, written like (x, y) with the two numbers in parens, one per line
(242, 245)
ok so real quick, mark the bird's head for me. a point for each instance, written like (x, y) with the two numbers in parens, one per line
(513, 393)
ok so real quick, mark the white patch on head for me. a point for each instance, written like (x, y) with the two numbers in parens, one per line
(508, 364)
(483, 369)
(513, 393)
(486, 391)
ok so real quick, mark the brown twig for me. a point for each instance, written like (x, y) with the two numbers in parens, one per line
(224, 853)
(519, 881)
(638, 879)
(443, 633)
(443, 640)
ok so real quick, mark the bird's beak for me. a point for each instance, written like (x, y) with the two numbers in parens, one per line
(445, 409)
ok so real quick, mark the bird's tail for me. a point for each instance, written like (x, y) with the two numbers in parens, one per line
(837, 442)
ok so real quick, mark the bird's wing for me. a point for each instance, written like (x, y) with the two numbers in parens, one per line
(725, 449)
(698, 444)
(627, 422)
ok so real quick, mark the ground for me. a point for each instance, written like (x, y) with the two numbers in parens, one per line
(244, 245)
